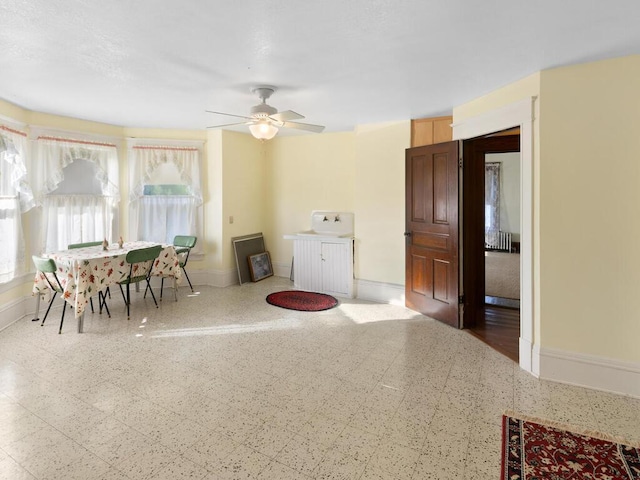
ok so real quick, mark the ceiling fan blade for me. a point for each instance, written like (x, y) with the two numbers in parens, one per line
(304, 126)
(229, 114)
(230, 124)
(286, 115)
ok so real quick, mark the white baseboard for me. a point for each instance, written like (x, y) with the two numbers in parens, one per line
(214, 278)
(526, 352)
(591, 371)
(380, 292)
(15, 310)
(281, 269)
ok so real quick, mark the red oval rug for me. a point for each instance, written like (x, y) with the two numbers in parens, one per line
(302, 301)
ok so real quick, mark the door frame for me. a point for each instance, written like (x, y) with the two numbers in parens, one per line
(518, 114)
(473, 219)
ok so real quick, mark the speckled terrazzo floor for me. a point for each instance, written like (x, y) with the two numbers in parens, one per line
(221, 385)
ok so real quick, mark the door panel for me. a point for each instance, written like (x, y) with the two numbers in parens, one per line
(431, 283)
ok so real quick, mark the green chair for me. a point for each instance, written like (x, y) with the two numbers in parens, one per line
(48, 267)
(102, 297)
(183, 245)
(140, 264)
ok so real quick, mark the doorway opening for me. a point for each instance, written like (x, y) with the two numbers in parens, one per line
(491, 232)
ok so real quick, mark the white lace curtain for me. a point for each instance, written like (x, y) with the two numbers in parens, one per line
(15, 198)
(76, 219)
(491, 203)
(146, 159)
(53, 154)
(160, 217)
(73, 217)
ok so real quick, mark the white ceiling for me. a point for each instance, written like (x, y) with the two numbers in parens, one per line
(161, 63)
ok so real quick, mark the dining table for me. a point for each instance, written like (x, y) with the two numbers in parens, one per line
(83, 272)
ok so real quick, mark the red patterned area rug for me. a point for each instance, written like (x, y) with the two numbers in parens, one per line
(303, 301)
(533, 449)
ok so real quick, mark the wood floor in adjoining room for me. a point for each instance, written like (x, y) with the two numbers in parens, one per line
(500, 330)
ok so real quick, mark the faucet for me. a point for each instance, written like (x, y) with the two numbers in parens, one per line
(325, 219)
(337, 218)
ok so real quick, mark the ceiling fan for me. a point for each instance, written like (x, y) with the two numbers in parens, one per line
(264, 120)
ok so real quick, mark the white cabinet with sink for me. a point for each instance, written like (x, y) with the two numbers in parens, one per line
(323, 255)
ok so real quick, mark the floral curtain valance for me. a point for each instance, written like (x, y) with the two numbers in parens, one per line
(53, 154)
(13, 171)
(146, 159)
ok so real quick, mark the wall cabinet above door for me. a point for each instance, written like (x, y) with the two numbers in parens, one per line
(428, 131)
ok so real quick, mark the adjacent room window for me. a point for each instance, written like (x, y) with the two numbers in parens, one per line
(78, 190)
(166, 197)
(15, 198)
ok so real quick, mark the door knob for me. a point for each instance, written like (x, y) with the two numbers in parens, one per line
(407, 234)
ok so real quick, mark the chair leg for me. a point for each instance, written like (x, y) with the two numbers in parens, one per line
(122, 292)
(91, 303)
(185, 274)
(161, 287)
(49, 307)
(128, 301)
(64, 308)
(154, 297)
(102, 300)
(145, 291)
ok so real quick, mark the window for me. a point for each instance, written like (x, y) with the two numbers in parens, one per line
(15, 198)
(77, 211)
(77, 186)
(165, 199)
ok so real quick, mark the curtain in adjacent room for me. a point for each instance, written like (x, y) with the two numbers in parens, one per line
(15, 198)
(491, 204)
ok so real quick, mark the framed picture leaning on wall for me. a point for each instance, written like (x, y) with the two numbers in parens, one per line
(260, 266)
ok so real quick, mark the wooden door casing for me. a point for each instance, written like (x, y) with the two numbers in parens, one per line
(431, 230)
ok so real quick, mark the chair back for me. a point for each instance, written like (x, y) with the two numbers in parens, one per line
(141, 255)
(48, 265)
(184, 244)
(71, 246)
(185, 241)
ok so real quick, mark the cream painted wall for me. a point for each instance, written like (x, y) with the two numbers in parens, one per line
(212, 196)
(243, 191)
(13, 112)
(305, 173)
(379, 191)
(590, 195)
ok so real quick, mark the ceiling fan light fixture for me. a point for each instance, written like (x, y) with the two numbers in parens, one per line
(263, 130)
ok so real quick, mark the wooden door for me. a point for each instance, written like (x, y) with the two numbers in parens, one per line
(431, 231)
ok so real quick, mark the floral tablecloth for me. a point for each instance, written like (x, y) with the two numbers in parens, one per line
(83, 272)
